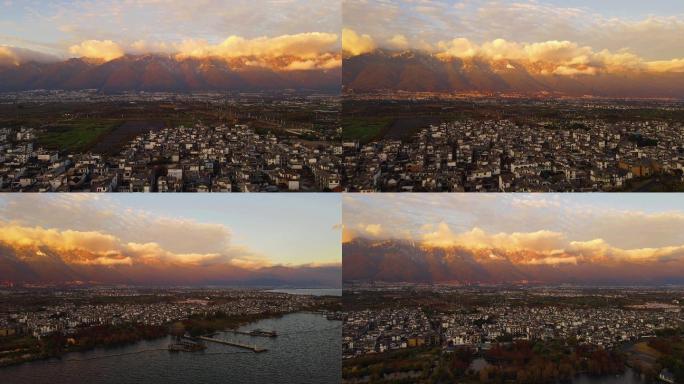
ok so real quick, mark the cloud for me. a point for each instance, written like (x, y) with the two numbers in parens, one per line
(583, 40)
(399, 41)
(674, 65)
(534, 201)
(373, 229)
(348, 234)
(98, 256)
(17, 56)
(299, 52)
(106, 50)
(554, 57)
(94, 247)
(544, 247)
(648, 34)
(546, 241)
(304, 45)
(125, 21)
(356, 44)
(598, 250)
(545, 237)
(362, 230)
(141, 47)
(135, 245)
(60, 240)
(459, 47)
(551, 57)
(85, 212)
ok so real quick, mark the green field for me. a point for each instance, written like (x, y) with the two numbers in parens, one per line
(364, 129)
(76, 135)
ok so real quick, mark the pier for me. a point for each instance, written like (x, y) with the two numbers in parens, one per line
(253, 348)
(186, 346)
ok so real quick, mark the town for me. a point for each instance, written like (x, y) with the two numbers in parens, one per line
(569, 151)
(29, 315)
(244, 149)
(480, 320)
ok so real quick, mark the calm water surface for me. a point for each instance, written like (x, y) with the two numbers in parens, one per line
(629, 377)
(307, 350)
(311, 292)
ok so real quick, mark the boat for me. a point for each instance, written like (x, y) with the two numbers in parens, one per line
(263, 333)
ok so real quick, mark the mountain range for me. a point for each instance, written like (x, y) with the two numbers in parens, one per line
(46, 265)
(418, 71)
(406, 261)
(164, 73)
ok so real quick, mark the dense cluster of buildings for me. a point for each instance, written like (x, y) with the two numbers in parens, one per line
(502, 155)
(375, 331)
(191, 159)
(68, 313)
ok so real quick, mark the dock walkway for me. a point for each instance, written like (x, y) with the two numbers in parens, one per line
(253, 348)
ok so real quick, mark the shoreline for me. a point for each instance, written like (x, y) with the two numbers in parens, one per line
(61, 357)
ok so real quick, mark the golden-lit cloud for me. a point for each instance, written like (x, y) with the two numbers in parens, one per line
(399, 41)
(443, 236)
(93, 247)
(648, 34)
(59, 240)
(535, 237)
(373, 231)
(304, 45)
(107, 239)
(312, 50)
(141, 47)
(106, 50)
(356, 44)
(598, 250)
(348, 234)
(555, 57)
(543, 247)
(298, 52)
(552, 57)
(675, 65)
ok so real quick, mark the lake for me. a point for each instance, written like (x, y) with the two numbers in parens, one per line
(310, 292)
(629, 377)
(307, 350)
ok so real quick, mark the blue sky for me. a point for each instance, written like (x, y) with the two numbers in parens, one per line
(633, 9)
(292, 229)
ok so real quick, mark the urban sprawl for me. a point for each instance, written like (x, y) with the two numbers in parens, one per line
(502, 156)
(377, 330)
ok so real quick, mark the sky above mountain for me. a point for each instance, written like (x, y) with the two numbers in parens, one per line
(208, 238)
(610, 235)
(306, 32)
(561, 37)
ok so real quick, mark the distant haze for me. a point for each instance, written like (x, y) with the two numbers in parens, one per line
(418, 71)
(402, 261)
(168, 74)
